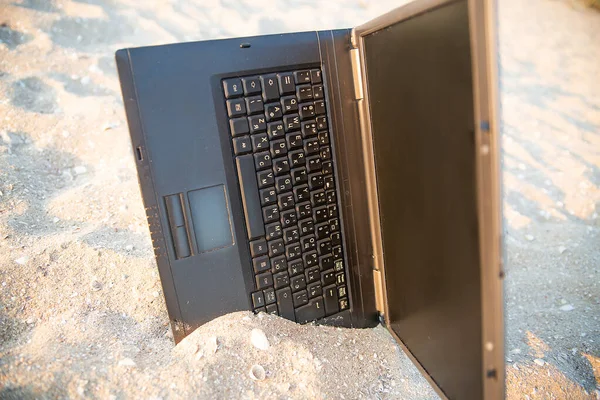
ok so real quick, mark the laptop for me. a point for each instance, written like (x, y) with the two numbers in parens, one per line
(346, 177)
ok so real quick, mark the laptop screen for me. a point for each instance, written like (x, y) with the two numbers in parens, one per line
(420, 89)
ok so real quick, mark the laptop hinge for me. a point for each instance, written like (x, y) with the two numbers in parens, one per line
(356, 74)
(377, 281)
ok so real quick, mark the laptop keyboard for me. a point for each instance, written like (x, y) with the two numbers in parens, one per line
(285, 167)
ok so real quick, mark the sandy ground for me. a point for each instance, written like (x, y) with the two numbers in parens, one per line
(81, 308)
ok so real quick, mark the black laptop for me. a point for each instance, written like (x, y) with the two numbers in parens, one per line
(346, 177)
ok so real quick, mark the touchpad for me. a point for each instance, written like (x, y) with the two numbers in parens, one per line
(210, 218)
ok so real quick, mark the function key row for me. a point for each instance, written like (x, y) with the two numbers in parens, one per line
(272, 86)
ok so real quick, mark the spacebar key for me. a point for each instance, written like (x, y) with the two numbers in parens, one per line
(250, 199)
(310, 312)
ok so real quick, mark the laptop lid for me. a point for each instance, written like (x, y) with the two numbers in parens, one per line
(429, 120)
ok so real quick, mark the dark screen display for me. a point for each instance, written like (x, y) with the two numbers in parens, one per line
(421, 102)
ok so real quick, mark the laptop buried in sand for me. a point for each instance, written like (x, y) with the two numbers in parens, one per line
(348, 177)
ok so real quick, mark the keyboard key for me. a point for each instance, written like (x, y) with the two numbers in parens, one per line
(304, 93)
(313, 164)
(258, 247)
(239, 126)
(261, 264)
(302, 77)
(273, 111)
(314, 290)
(310, 259)
(336, 239)
(236, 107)
(250, 197)
(326, 262)
(285, 201)
(278, 148)
(269, 296)
(311, 146)
(251, 86)
(301, 193)
(344, 304)
(258, 299)
(318, 92)
(291, 235)
(319, 107)
(322, 230)
(281, 166)
(265, 178)
(334, 225)
(340, 278)
(307, 110)
(290, 104)
(315, 76)
(270, 214)
(338, 265)
(331, 197)
(299, 176)
(254, 105)
(303, 210)
(272, 309)
(298, 283)
(241, 145)
(321, 123)
(294, 141)
(313, 275)
(285, 304)
(288, 218)
(270, 89)
(283, 183)
(258, 123)
(308, 243)
(274, 231)
(324, 138)
(281, 279)
(328, 182)
(296, 267)
(342, 291)
(332, 211)
(291, 122)
(292, 251)
(312, 311)
(315, 181)
(308, 128)
(264, 280)
(325, 153)
(300, 298)
(306, 226)
(262, 160)
(275, 130)
(331, 300)
(296, 158)
(286, 83)
(267, 197)
(324, 247)
(232, 87)
(260, 142)
(276, 249)
(327, 167)
(328, 277)
(336, 252)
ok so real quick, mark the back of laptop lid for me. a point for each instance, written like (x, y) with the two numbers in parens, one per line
(430, 87)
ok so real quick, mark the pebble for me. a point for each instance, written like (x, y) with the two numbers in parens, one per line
(529, 237)
(561, 249)
(79, 170)
(127, 362)
(567, 307)
(96, 286)
(129, 247)
(257, 372)
(55, 220)
(259, 339)
(22, 260)
(539, 362)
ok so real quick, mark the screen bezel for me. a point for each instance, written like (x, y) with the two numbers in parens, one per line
(482, 28)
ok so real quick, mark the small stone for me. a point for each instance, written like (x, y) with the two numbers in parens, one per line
(259, 339)
(129, 247)
(127, 362)
(257, 372)
(110, 125)
(55, 220)
(80, 170)
(22, 260)
(561, 249)
(539, 362)
(96, 286)
(85, 80)
(567, 307)
(212, 345)
(529, 237)
(30, 321)
(563, 301)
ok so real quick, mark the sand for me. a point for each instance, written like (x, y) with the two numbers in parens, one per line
(81, 308)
